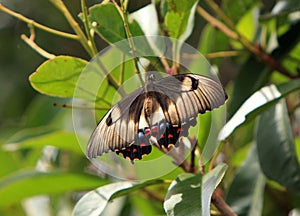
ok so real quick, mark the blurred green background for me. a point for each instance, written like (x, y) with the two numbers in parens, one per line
(26, 114)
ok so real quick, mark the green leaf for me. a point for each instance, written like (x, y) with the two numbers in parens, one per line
(60, 139)
(10, 163)
(210, 181)
(245, 85)
(190, 194)
(236, 9)
(245, 194)
(212, 40)
(109, 23)
(94, 202)
(247, 25)
(58, 76)
(257, 103)
(184, 195)
(179, 19)
(276, 148)
(25, 184)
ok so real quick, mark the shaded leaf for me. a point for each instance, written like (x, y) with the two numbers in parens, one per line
(257, 103)
(276, 148)
(94, 202)
(245, 194)
(60, 139)
(25, 184)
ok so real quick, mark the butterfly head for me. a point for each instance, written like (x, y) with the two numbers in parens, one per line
(150, 78)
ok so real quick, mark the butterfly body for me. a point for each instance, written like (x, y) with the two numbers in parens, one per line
(159, 113)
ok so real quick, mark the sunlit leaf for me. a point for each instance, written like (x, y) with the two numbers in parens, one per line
(276, 148)
(236, 9)
(247, 26)
(258, 102)
(58, 76)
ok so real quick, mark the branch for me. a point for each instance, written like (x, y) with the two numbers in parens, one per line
(75, 26)
(221, 205)
(257, 51)
(37, 25)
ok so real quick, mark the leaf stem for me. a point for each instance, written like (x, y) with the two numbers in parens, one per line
(37, 25)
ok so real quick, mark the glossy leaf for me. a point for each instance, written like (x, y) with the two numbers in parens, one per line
(258, 102)
(245, 194)
(210, 181)
(184, 195)
(58, 76)
(25, 184)
(276, 148)
(190, 194)
(94, 202)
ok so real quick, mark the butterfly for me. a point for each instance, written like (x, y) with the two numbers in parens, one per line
(158, 113)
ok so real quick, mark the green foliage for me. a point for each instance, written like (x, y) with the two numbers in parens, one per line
(254, 46)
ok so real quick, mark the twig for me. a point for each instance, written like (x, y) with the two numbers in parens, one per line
(75, 26)
(37, 25)
(217, 24)
(38, 49)
(221, 205)
(91, 41)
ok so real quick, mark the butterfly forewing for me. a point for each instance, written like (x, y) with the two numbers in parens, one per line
(160, 112)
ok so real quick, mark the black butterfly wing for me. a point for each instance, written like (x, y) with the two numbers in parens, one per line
(117, 128)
